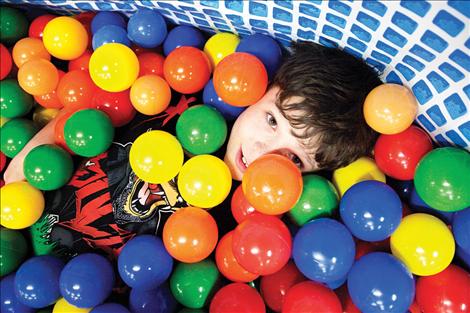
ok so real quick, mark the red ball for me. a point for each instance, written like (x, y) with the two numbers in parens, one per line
(445, 292)
(240, 79)
(85, 19)
(309, 296)
(3, 161)
(38, 24)
(262, 244)
(241, 208)
(59, 138)
(187, 70)
(398, 155)
(365, 247)
(237, 297)
(76, 89)
(81, 63)
(274, 287)
(5, 62)
(151, 63)
(117, 105)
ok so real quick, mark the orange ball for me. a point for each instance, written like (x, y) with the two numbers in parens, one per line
(150, 94)
(187, 70)
(240, 79)
(272, 184)
(76, 89)
(228, 265)
(190, 235)
(59, 138)
(151, 63)
(390, 108)
(50, 100)
(28, 49)
(81, 63)
(38, 77)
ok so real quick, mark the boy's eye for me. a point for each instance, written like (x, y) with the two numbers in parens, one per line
(271, 120)
(296, 160)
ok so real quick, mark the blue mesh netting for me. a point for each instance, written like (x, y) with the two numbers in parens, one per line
(424, 45)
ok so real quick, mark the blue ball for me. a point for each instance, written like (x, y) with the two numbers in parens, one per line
(379, 282)
(37, 281)
(8, 300)
(417, 205)
(106, 18)
(183, 36)
(264, 48)
(158, 300)
(211, 98)
(324, 250)
(371, 210)
(87, 280)
(463, 256)
(461, 229)
(110, 34)
(147, 28)
(337, 283)
(144, 262)
(403, 188)
(110, 308)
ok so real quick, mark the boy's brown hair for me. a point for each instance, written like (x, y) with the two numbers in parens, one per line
(334, 85)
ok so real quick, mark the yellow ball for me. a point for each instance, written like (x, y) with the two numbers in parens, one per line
(424, 243)
(62, 306)
(42, 116)
(156, 157)
(3, 120)
(21, 205)
(362, 169)
(219, 46)
(114, 67)
(65, 38)
(204, 181)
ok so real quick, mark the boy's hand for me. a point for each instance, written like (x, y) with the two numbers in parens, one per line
(14, 171)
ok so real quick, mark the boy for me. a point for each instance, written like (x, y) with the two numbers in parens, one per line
(311, 114)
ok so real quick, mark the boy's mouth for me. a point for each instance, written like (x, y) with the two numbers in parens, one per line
(241, 161)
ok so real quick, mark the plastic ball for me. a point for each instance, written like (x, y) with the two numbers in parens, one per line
(460, 229)
(114, 67)
(274, 287)
(262, 244)
(51, 100)
(319, 199)
(42, 116)
(48, 167)
(62, 306)
(192, 284)
(157, 300)
(390, 108)
(81, 63)
(237, 297)
(87, 280)
(398, 155)
(204, 181)
(28, 49)
(3, 161)
(37, 281)
(147, 28)
(423, 243)
(13, 25)
(150, 94)
(110, 308)
(228, 265)
(85, 18)
(201, 130)
(211, 98)
(8, 300)
(36, 29)
(309, 296)
(156, 165)
(38, 77)
(59, 138)
(418, 206)
(144, 263)
(240, 207)
(378, 282)
(441, 179)
(447, 291)
(65, 38)
(240, 79)
(187, 70)
(219, 46)
(151, 63)
(190, 235)
(15, 134)
(183, 36)
(265, 48)
(13, 249)
(316, 257)
(14, 101)
(5, 62)
(272, 184)
(109, 34)
(106, 18)
(76, 89)
(117, 105)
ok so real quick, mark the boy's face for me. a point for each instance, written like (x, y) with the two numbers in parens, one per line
(262, 129)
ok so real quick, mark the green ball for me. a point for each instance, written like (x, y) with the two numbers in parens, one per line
(48, 167)
(192, 284)
(13, 250)
(14, 101)
(201, 130)
(442, 179)
(319, 198)
(15, 134)
(13, 25)
(88, 132)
